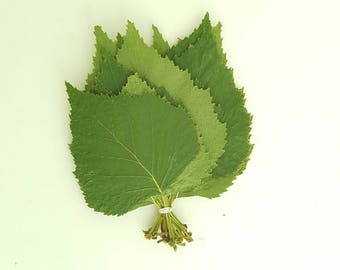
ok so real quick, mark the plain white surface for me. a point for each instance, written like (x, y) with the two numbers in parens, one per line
(282, 213)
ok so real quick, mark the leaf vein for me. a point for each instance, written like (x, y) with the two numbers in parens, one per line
(131, 153)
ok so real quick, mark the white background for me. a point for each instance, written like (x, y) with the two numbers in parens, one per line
(282, 213)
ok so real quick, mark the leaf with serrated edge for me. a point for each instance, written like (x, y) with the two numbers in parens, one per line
(124, 160)
(107, 76)
(184, 44)
(159, 43)
(206, 62)
(135, 86)
(136, 56)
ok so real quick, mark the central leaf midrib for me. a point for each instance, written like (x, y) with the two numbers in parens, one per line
(132, 154)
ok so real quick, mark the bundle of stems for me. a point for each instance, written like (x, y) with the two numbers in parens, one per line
(167, 226)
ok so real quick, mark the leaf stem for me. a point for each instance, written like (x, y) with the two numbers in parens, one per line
(167, 226)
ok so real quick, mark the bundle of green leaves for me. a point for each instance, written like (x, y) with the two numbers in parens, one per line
(157, 122)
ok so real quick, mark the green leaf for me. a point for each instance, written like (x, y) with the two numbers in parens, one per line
(107, 76)
(135, 86)
(128, 148)
(120, 41)
(160, 72)
(184, 44)
(206, 62)
(161, 45)
(216, 31)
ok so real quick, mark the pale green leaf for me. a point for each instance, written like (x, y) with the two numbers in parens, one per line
(206, 62)
(135, 86)
(160, 72)
(161, 45)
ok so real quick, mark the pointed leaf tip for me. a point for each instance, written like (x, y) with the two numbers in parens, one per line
(68, 86)
(206, 17)
(70, 89)
(131, 25)
(131, 29)
(97, 29)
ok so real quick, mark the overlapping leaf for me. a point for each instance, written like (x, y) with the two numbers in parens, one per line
(108, 76)
(136, 56)
(157, 120)
(202, 55)
(128, 148)
(159, 43)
